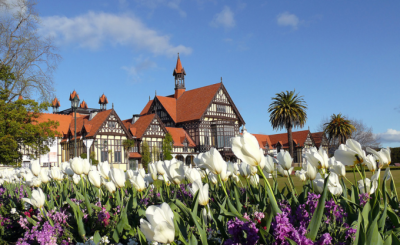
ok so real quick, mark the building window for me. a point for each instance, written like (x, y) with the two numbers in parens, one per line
(221, 108)
(112, 124)
(133, 149)
(229, 134)
(117, 156)
(104, 156)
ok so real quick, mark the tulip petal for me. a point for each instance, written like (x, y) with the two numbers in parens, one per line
(164, 232)
(147, 229)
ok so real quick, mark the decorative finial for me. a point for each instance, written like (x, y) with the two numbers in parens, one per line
(221, 79)
(113, 106)
(156, 93)
(178, 55)
(149, 97)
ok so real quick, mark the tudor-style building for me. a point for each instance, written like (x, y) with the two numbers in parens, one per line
(197, 119)
(302, 141)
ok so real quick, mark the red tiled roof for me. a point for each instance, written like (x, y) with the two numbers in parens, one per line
(55, 102)
(20, 97)
(83, 105)
(193, 103)
(141, 125)
(134, 155)
(103, 100)
(179, 135)
(147, 107)
(298, 136)
(262, 140)
(72, 95)
(63, 120)
(169, 104)
(97, 121)
(317, 137)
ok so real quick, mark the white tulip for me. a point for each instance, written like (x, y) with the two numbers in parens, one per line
(152, 169)
(284, 172)
(66, 169)
(34, 182)
(269, 165)
(284, 160)
(311, 171)
(56, 174)
(110, 186)
(142, 172)
(370, 161)
(104, 169)
(380, 157)
(387, 154)
(198, 160)
(387, 175)
(212, 160)
(38, 198)
(35, 167)
(118, 177)
(225, 173)
(206, 215)
(350, 154)
(159, 226)
(203, 191)
(138, 182)
(86, 166)
(235, 178)
(148, 180)
(255, 180)
(253, 170)
(44, 175)
(192, 174)
(301, 174)
(76, 178)
(244, 169)
(233, 168)
(77, 165)
(370, 184)
(247, 149)
(334, 185)
(176, 172)
(337, 167)
(318, 184)
(94, 178)
(160, 167)
(213, 178)
(165, 179)
(129, 174)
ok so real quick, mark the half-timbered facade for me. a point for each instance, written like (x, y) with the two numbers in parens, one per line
(207, 115)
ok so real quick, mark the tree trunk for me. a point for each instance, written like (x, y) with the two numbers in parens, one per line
(290, 140)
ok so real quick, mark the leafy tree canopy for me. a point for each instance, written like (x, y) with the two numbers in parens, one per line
(19, 125)
(167, 147)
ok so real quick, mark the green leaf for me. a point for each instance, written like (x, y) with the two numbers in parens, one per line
(395, 239)
(318, 213)
(88, 205)
(237, 199)
(203, 235)
(96, 237)
(32, 221)
(142, 237)
(393, 218)
(193, 240)
(115, 236)
(358, 227)
(195, 204)
(365, 212)
(291, 241)
(373, 236)
(388, 240)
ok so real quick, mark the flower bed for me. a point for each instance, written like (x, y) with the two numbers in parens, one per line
(215, 203)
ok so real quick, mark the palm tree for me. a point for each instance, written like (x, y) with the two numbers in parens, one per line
(288, 110)
(339, 128)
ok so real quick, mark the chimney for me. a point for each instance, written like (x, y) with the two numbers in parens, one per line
(92, 114)
(135, 117)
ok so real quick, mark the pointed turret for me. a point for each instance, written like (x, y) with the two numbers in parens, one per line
(83, 105)
(72, 95)
(55, 104)
(103, 101)
(179, 74)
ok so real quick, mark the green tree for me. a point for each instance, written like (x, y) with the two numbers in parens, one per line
(92, 157)
(19, 125)
(288, 110)
(339, 128)
(146, 157)
(128, 143)
(167, 147)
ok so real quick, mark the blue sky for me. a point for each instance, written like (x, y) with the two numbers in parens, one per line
(342, 56)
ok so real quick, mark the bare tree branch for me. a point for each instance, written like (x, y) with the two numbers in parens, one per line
(32, 58)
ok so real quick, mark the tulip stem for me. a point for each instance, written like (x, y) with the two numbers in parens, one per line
(266, 181)
(291, 184)
(222, 184)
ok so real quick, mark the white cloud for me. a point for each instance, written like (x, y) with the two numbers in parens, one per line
(391, 135)
(92, 30)
(288, 19)
(224, 19)
(141, 65)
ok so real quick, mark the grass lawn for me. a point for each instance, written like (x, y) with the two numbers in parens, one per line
(283, 181)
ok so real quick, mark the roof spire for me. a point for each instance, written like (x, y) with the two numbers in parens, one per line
(221, 79)
(113, 106)
(156, 92)
(149, 97)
